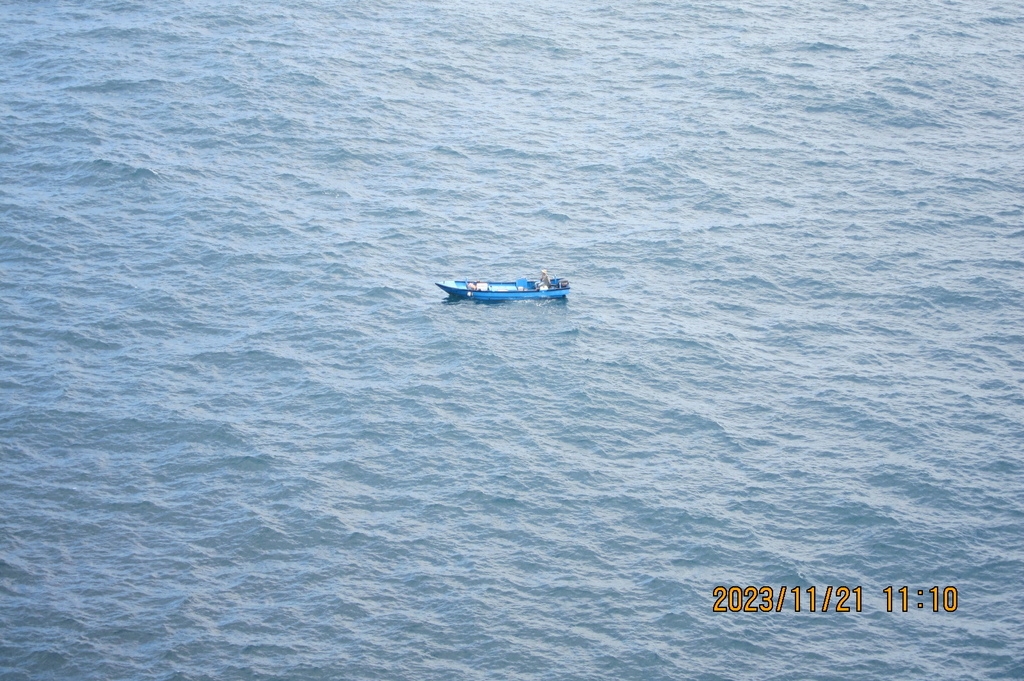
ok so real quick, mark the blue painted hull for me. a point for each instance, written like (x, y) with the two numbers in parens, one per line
(501, 291)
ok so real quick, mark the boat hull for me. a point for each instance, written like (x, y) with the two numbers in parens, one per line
(459, 289)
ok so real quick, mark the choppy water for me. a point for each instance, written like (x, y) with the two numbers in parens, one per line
(244, 437)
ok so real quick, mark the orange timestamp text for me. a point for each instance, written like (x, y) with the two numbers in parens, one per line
(832, 599)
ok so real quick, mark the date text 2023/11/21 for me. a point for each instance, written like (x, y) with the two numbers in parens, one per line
(833, 599)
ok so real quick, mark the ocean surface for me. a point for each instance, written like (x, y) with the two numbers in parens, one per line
(244, 436)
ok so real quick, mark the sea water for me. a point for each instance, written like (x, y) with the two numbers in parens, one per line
(243, 436)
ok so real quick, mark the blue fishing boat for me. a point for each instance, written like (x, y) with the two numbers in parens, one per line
(521, 289)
